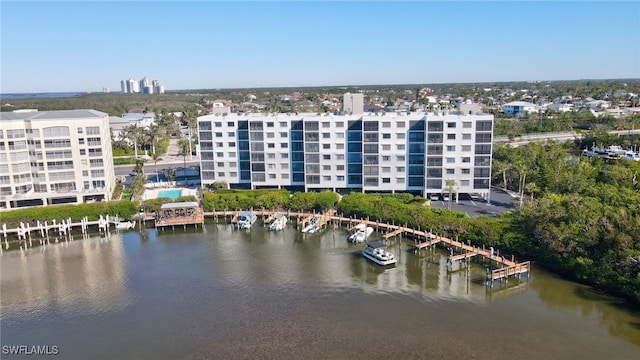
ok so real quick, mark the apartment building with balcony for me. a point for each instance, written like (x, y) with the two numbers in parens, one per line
(55, 157)
(421, 153)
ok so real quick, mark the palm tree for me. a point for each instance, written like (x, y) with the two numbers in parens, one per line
(450, 186)
(155, 156)
(133, 133)
(185, 149)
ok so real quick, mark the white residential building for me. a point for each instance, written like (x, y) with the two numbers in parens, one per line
(55, 157)
(519, 107)
(384, 152)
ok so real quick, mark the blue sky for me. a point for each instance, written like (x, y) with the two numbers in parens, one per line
(85, 45)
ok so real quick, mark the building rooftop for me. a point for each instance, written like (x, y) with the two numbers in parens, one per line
(52, 115)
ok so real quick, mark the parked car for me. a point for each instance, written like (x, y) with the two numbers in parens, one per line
(434, 197)
(133, 172)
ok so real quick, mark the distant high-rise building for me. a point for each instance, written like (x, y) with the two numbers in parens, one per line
(158, 88)
(106, 89)
(131, 86)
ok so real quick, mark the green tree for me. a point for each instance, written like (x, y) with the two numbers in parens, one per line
(184, 149)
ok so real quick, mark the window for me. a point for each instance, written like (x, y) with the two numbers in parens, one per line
(82, 152)
(400, 147)
(284, 135)
(91, 130)
(326, 135)
(283, 124)
(339, 156)
(340, 124)
(466, 124)
(466, 171)
(386, 136)
(450, 160)
(326, 124)
(466, 159)
(399, 168)
(400, 180)
(464, 182)
(270, 135)
(271, 145)
(231, 134)
(466, 136)
(220, 164)
(340, 167)
(284, 156)
(400, 158)
(340, 177)
(451, 125)
(326, 178)
(326, 146)
(386, 180)
(271, 156)
(219, 154)
(326, 167)
(451, 136)
(386, 158)
(231, 154)
(217, 124)
(400, 125)
(339, 135)
(218, 134)
(386, 147)
(231, 124)
(483, 125)
(284, 145)
(451, 171)
(451, 148)
(466, 148)
(270, 124)
(339, 146)
(400, 136)
(386, 169)
(326, 157)
(284, 166)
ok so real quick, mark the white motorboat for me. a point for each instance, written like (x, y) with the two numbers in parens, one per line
(279, 223)
(246, 220)
(376, 252)
(125, 225)
(313, 224)
(361, 233)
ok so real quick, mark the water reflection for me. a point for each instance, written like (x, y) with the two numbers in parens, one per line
(86, 276)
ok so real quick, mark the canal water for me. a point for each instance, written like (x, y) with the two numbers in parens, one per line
(221, 293)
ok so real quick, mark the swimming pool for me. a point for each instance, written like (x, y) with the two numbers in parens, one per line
(171, 194)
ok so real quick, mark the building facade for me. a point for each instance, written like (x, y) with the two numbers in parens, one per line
(519, 108)
(422, 153)
(55, 157)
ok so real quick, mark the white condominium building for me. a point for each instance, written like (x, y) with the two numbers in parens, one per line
(421, 153)
(55, 157)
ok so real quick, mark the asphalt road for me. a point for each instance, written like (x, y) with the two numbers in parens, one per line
(150, 168)
(500, 202)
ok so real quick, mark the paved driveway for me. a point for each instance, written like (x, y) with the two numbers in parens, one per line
(501, 201)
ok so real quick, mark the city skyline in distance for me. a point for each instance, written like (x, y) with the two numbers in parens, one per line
(74, 46)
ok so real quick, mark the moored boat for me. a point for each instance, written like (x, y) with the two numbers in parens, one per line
(361, 233)
(279, 223)
(376, 251)
(246, 219)
(124, 225)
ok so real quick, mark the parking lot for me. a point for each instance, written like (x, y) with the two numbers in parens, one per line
(500, 201)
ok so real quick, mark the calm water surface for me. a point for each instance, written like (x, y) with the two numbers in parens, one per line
(227, 294)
